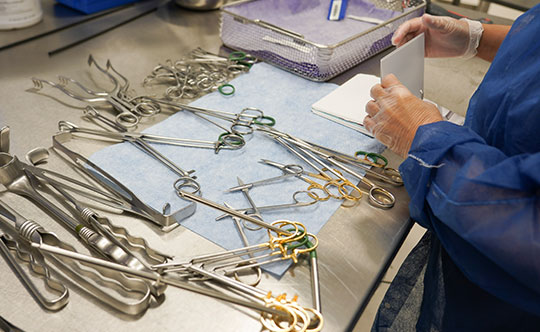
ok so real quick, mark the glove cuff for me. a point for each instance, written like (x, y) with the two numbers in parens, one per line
(475, 33)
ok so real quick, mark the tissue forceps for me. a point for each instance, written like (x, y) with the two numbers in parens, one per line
(228, 141)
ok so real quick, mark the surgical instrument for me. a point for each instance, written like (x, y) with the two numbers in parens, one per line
(20, 181)
(207, 202)
(129, 111)
(131, 296)
(256, 213)
(340, 183)
(7, 243)
(4, 139)
(241, 123)
(273, 309)
(378, 196)
(277, 249)
(296, 203)
(289, 171)
(125, 200)
(313, 185)
(389, 175)
(228, 141)
(246, 244)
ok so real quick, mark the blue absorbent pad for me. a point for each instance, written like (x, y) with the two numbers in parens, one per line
(282, 95)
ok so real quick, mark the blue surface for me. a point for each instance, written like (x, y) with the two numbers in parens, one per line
(282, 95)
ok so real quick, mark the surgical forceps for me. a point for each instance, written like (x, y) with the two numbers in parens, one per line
(378, 196)
(389, 175)
(229, 141)
(241, 123)
(129, 112)
(340, 183)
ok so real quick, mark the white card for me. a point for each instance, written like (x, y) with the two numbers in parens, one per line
(407, 63)
(347, 103)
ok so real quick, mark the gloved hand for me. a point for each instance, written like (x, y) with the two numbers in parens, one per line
(445, 36)
(395, 114)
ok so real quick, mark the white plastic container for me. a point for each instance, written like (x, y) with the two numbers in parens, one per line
(16, 14)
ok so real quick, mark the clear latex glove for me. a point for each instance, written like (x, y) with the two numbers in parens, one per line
(445, 36)
(395, 114)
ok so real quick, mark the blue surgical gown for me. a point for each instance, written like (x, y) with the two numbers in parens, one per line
(476, 189)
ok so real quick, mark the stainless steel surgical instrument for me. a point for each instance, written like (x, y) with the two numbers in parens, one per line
(129, 110)
(125, 199)
(228, 141)
(128, 295)
(296, 203)
(20, 181)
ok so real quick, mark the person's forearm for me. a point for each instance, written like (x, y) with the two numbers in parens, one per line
(492, 38)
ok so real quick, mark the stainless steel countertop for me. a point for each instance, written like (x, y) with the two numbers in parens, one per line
(356, 245)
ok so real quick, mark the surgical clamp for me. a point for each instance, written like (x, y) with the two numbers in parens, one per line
(228, 141)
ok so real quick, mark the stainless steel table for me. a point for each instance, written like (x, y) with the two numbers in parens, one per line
(356, 245)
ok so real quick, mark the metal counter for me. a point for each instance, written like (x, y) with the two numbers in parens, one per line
(356, 245)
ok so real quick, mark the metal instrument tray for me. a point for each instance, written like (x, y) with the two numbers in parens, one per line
(291, 48)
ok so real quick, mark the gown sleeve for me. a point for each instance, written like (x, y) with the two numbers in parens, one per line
(484, 207)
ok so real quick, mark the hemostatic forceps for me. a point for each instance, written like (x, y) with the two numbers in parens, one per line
(129, 111)
(241, 123)
(378, 196)
(229, 141)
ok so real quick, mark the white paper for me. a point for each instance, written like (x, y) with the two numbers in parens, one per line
(347, 104)
(407, 63)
